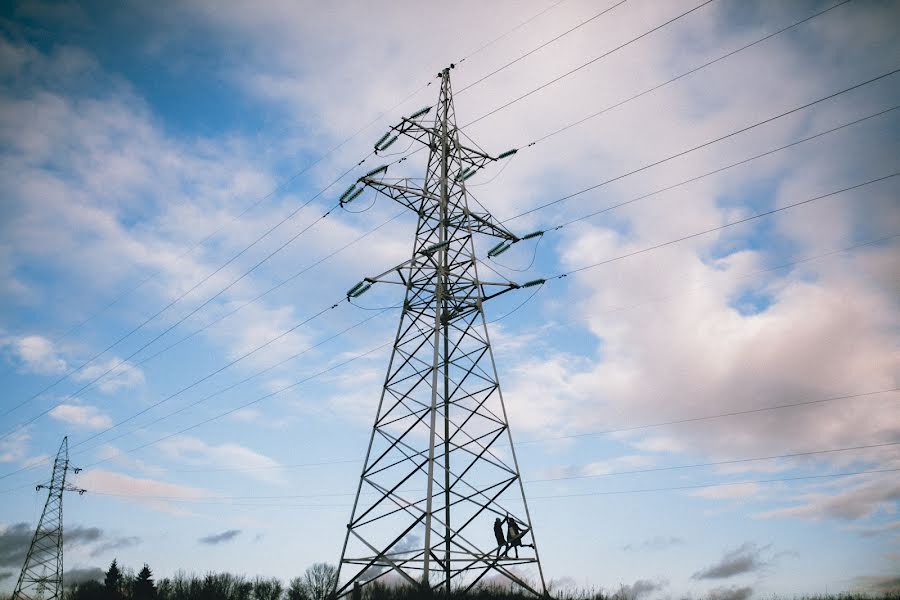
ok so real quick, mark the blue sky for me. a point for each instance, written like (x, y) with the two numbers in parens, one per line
(129, 134)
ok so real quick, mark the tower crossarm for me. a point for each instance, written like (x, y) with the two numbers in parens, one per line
(431, 136)
(419, 200)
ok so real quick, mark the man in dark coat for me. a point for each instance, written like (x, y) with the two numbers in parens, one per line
(498, 533)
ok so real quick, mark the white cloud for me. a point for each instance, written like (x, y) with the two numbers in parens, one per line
(191, 450)
(114, 375)
(82, 415)
(874, 494)
(37, 354)
(14, 447)
(152, 493)
(729, 492)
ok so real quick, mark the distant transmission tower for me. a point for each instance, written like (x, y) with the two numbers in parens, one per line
(440, 454)
(41, 577)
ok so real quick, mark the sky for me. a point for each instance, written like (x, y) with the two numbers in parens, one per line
(154, 165)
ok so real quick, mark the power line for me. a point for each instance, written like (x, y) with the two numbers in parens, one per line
(544, 479)
(172, 303)
(271, 289)
(287, 182)
(703, 145)
(714, 485)
(195, 403)
(219, 499)
(543, 45)
(725, 168)
(201, 306)
(516, 28)
(721, 227)
(210, 375)
(702, 233)
(734, 413)
(220, 391)
(717, 463)
(590, 62)
(243, 406)
(685, 74)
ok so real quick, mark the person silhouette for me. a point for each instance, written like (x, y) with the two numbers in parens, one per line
(501, 539)
(514, 535)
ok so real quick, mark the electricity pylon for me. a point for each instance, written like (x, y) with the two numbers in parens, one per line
(440, 455)
(42, 573)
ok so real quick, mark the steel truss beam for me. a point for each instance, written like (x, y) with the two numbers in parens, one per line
(41, 577)
(435, 475)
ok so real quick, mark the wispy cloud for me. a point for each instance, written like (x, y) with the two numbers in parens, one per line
(220, 538)
(655, 543)
(747, 558)
(82, 415)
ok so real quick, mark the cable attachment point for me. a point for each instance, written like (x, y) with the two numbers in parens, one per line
(435, 247)
(419, 113)
(465, 174)
(499, 249)
(359, 289)
(382, 139)
(384, 143)
(376, 171)
(348, 198)
(533, 283)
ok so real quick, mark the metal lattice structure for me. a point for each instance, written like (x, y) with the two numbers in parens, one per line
(42, 574)
(440, 454)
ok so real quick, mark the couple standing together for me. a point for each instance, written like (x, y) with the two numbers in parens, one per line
(513, 537)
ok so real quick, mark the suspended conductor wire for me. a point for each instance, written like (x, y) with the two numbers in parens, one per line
(685, 74)
(234, 219)
(277, 286)
(534, 254)
(713, 485)
(577, 435)
(366, 209)
(725, 168)
(743, 220)
(703, 145)
(219, 293)
(590, 62)
(778, 267)
(710, 417)
(521, 305)
(508, 32)
(378, 308)
(243, 406)
(404, 151)
(227, 388)
(694, 70)
(167, 330)
(211, 374)
(717, 463)
(134, 330)
(506, 163)
(724, 226)
(561, 478)
(219, 500)
(543, 45)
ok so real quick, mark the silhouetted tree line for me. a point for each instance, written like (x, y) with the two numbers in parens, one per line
(118, 584)
(316, 583)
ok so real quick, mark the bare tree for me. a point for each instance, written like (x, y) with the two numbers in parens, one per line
(319, 581)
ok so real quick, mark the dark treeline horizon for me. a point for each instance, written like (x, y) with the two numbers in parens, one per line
(317, 583)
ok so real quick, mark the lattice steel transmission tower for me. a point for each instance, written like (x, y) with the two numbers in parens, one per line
(440, 467)
(42, 573)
